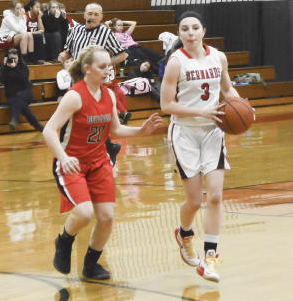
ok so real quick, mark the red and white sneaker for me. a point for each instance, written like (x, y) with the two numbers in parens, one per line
(207, 266)
(187, 250)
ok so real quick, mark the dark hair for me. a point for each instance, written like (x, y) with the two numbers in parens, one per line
(191, 14)
(28, 6)
(140, 62)
(12, 51)
(114, 22)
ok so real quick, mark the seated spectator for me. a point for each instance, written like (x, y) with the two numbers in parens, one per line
(111, 83)
(44, 8)
(144, 70)
(56, 29)
(70, 22)
(13, 32)
(35, 26)
(63, 78)
(135, 51)
(14, 75)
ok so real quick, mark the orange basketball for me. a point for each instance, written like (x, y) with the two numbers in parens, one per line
(238, 117)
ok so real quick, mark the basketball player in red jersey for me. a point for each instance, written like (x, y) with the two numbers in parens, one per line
(194, 77)
(85, 117)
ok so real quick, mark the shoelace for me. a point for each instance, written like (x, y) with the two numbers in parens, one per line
(211, 263)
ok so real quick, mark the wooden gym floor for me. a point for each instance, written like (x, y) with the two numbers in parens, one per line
(142, 255)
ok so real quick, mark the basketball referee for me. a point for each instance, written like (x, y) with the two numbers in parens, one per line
(94, 33)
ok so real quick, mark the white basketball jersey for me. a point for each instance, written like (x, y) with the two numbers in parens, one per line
(199, 84)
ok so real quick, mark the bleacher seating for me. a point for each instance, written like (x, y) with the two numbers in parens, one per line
(150, 24)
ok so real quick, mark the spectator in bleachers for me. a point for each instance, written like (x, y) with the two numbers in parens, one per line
(56, 29)
(14, 75)
(63, 78)
(35, 26)
(13, 32)
(44, 7)
(144, 70)
(70, 22)
(135, 51)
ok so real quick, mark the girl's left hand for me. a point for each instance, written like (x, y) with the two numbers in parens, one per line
(151, 124)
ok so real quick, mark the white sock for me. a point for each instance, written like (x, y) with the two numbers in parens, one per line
(211, 238)
(185, 228)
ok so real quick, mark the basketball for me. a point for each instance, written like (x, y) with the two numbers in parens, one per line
(239, 116)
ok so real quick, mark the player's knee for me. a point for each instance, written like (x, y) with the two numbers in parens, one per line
(106, 220)
(215, 199)
(85, 216)
(24, 36)
(193, 204)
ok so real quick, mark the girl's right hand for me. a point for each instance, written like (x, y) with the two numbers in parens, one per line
(70, 165)
(213, 113)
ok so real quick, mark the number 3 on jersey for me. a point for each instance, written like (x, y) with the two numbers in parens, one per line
(206, 91)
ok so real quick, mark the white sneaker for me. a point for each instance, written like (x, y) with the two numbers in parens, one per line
(207, 266)
(187, 251)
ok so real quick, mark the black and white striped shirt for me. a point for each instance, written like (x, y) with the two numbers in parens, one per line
(80, 37)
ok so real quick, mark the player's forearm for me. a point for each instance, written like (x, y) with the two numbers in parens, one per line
(231, 92)
(52, 140)
(126, 131)
(175, 108)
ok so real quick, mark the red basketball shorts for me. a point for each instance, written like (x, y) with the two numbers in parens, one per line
(94, 183)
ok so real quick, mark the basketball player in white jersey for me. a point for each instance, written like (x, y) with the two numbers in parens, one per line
(194, 77)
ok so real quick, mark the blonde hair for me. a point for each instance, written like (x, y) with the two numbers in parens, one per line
(86, 57)
(52, 2)
(13, 4)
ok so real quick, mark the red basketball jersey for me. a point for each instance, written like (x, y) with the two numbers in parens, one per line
(84, 135)
(31, 24)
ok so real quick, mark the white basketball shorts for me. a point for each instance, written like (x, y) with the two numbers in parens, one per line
(197, 149)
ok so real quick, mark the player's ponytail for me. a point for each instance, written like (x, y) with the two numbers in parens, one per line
(75, 71)
(86, 57)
